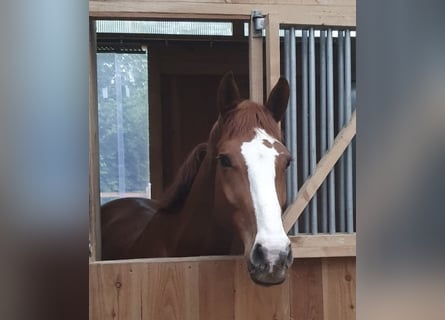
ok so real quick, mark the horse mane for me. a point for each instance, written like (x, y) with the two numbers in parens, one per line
(174, 197)
(247, 115)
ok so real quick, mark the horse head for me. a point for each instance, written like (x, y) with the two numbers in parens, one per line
(250, 167)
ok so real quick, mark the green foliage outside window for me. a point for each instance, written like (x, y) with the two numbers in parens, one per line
(132, 69)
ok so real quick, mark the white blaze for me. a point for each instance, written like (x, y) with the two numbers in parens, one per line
(260, 162)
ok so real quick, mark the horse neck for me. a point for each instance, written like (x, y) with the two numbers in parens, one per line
(199, 230)
(199, 204)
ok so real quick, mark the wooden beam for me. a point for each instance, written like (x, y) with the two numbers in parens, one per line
(322, 170)
(209, 61)
(221, 289)
(272, 52)
(155, 123)
(251, 2)
(124, 195)
(255, 66)
(310, 12)
(339, 288)
(168, 260)
(94, 232)
(255, 302)
(326, 245)
(303, 246)
(306, 294)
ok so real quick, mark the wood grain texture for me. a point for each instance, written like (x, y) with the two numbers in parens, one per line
(255, 67)
(216, 290)
(307, 12)
(203, 288)
(312, 246)
(261, 2)
(324, 166)
(170, 291)
(115, 292)
(306, 298)
(339, 287)
(94, 187)
(256, 302)
(272, 52)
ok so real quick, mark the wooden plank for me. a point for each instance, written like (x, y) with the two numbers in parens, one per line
(303, 246)
(155, 123)
(265, 2)
(329, 13)
(257, 302)
(124, 194)
(170, 260)
(284, 2)
(172, 131)
(115, 292)
(339, 287)
(216, 290)
(255, 67)
(163, 10)
(306, 299)
(170, 291)
(207, 61)
(336, 245)
(322, 170)
(220, 288)
(94, 185)
(272, 52)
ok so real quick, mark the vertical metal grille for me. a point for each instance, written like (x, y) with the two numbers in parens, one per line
(320, 70)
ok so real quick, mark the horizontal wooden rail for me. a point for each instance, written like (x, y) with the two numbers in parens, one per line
(324, 245)
(312, 12)
(140, 194)
(322, 170)
(303, 246)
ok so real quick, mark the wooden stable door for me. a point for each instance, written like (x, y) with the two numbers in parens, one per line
(184, 81)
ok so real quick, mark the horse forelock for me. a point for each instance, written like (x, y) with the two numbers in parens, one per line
(242, 120)
(175, 196)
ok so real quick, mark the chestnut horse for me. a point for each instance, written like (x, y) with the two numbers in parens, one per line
(227, 197)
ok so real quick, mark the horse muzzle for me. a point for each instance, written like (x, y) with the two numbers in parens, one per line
(269, 269)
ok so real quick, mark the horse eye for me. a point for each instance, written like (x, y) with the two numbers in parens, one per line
(224, 161)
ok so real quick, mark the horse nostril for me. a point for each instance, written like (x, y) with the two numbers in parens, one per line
(285, 259)
(258, 254)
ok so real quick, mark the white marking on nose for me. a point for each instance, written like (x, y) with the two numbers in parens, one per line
(260, 162)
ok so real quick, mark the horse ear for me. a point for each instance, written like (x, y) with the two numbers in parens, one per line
(278, 98)
(228, 93)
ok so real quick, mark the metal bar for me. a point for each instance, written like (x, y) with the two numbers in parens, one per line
(348, 108)
(341, 122)
(354, 160)
(312, 127)
(324, 166)
(304, 123)
(148, 187)
(119, 125)
(293, 127)
(330, 127)
(323, 189)
(287, 136)
(290, 174)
